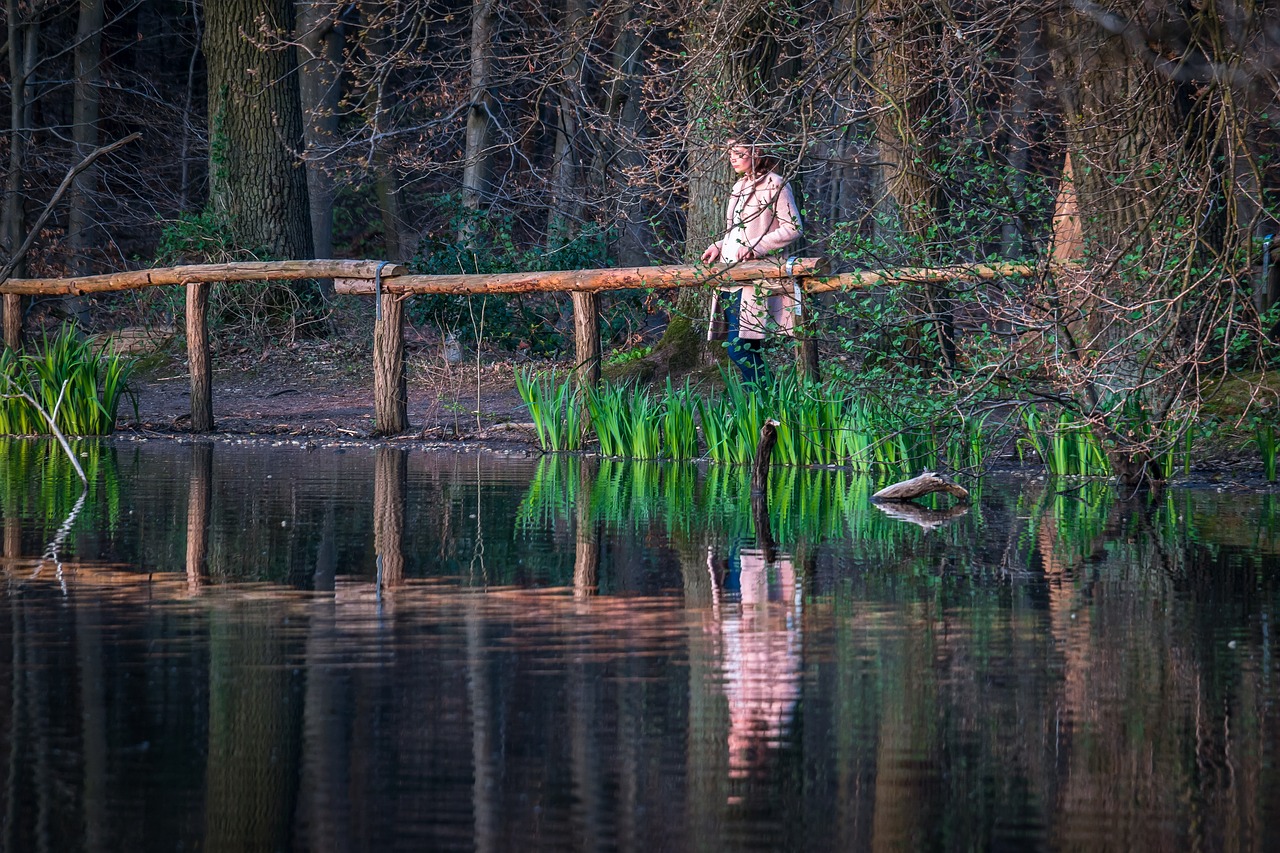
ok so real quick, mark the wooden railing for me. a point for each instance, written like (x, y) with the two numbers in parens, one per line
(391, 284)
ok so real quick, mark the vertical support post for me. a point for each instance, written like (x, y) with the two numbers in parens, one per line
(586, 337)
(390, 394)
(198, 357)
(12, 321)
(804, 327)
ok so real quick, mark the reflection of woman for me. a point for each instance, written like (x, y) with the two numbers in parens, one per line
(761, 218)
(761, 659)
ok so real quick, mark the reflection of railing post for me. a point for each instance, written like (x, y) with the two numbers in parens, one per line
(586, 564)
(198, 357)
(389, 474)
(199, 492)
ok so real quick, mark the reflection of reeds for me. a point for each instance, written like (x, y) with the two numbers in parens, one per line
(804, 504)
(52, 492)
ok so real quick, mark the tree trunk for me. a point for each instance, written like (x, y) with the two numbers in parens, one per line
(623, 106)
(22, 46)
(320, 89)
(84, 135)
(730, 95)
(479, 113)
(255, 121)
(379, 107)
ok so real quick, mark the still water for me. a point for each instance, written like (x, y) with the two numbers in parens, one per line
(280, 648)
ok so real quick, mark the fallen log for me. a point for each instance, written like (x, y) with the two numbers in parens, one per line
(926, 484)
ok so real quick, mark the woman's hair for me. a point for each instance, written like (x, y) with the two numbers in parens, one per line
(764, 158)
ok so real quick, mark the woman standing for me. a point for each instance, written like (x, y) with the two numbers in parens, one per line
(760, 219)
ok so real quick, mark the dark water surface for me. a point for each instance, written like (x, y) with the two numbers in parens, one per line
(273, 648)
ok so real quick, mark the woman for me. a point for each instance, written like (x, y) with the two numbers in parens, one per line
(761, 219)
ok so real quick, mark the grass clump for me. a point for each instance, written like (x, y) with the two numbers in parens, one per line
(553, 403)
(95, 381)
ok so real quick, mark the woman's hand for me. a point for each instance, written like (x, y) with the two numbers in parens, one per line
(711, 255)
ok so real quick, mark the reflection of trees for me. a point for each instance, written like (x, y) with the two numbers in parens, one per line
(254, 716)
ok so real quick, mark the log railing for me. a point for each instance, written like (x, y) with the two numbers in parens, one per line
(391, 285)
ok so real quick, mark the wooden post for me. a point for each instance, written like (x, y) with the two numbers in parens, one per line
(13, 321)
(198, 357)
(586, 337)
(390, 394)
(806, 344)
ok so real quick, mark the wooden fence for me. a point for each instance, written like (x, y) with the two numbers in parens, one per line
(390, 284)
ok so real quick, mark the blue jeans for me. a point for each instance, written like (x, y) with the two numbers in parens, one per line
(744, 354)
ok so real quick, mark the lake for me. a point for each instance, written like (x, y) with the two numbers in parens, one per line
(284, 646)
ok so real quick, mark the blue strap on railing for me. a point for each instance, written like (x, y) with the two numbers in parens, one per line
(795, 283)
(377, 290)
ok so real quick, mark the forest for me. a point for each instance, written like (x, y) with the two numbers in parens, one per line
(1125, 151)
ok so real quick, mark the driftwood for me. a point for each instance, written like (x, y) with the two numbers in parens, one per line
(926, 484)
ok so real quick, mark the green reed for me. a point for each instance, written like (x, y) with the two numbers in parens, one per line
(679, 426)
(555, 406)
(95, 379)
(1068, 448)
(1265, 437)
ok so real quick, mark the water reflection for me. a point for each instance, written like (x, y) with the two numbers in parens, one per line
(577, 654)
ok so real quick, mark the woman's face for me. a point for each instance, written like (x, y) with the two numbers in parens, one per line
(741, 158)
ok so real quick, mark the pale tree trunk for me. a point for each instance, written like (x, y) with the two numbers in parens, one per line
(1135, 161)
(479, 112)
(255, 121)
(320, 88)
(22, 55)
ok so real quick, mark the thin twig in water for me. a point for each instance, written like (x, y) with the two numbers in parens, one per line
(62, 439)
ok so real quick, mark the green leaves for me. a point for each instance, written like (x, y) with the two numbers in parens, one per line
(96, 382)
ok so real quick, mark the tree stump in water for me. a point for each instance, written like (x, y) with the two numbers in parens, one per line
(926, 484)
(760, 489)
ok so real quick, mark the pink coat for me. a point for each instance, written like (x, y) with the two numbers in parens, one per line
(761, 215)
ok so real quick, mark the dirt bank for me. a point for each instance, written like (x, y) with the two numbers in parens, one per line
(325, 389)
